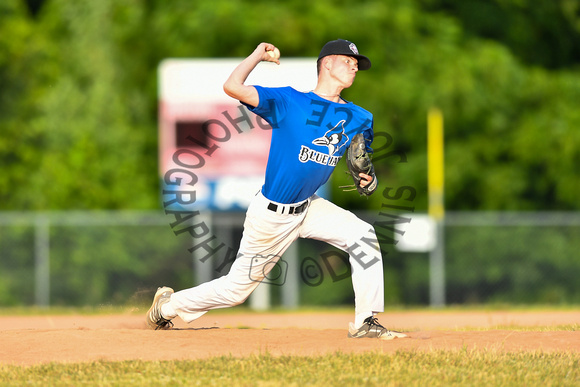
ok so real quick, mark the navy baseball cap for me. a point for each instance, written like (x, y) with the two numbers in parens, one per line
(344, 47)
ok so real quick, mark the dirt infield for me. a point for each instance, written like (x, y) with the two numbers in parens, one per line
(43, 339)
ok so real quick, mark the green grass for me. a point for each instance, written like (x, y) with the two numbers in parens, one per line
(404, 368)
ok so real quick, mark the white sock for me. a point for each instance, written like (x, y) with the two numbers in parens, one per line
(168, 311)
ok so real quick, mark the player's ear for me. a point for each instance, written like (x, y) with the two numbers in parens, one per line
(327, 62)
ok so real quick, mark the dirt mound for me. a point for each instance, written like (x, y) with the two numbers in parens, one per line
(43, 339)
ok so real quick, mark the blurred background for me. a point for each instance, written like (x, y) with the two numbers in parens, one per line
(82, 220)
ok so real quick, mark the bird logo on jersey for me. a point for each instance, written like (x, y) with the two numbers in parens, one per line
(334, 139)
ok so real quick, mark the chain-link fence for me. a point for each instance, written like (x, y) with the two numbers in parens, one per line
(513, 257)
(120, 257)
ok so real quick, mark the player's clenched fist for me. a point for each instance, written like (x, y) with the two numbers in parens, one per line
(269, 52)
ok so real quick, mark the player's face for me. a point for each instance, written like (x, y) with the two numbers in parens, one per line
(344, 69)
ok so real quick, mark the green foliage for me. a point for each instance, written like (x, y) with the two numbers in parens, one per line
(79, 105)
(77, 138)
(540, 32)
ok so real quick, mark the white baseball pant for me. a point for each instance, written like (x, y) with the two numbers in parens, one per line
(267, 235)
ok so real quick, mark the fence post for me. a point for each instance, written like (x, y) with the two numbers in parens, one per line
(202, 267)
(42, 261)
(437, 268)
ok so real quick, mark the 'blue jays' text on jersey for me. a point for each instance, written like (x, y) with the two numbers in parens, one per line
(309, 136)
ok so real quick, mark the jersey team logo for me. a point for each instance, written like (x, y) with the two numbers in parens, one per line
(334, 139)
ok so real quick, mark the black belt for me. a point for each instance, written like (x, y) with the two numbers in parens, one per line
(291, 210)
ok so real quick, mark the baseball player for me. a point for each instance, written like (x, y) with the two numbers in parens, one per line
(311, 131)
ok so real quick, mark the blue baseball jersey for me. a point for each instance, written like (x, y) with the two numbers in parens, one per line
(309, 136)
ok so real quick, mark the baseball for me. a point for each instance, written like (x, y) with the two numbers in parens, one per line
(275, 53)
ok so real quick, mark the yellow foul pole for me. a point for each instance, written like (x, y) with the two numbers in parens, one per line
(435, 168)
(435, 164)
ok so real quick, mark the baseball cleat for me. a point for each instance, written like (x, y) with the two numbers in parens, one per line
(372, 329)
(155, 319)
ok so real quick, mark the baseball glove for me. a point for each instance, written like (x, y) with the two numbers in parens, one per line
(359, 161)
